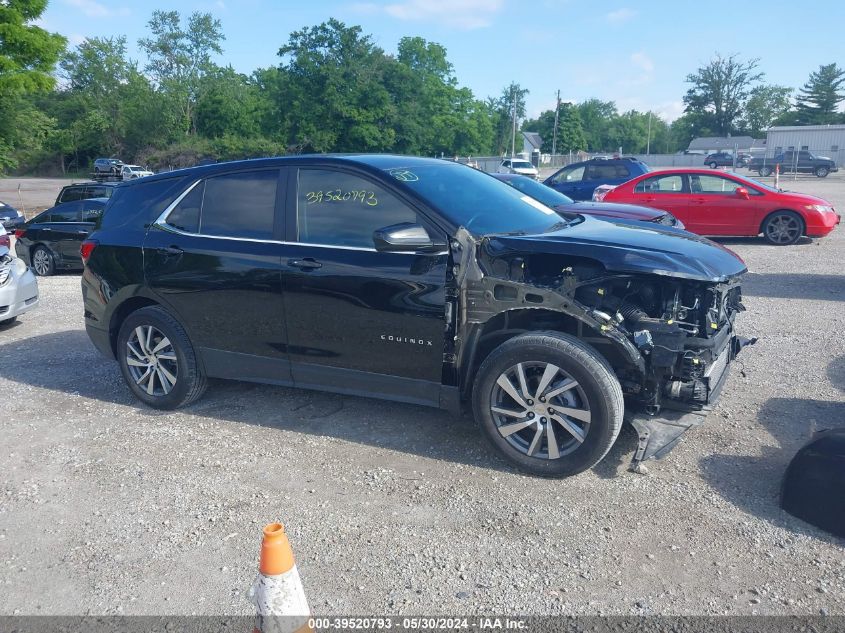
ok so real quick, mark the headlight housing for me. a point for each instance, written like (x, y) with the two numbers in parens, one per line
(821, 208)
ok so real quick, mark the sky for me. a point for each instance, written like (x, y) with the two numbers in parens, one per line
(636, 53)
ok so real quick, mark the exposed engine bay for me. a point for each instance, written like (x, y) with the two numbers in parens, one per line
(669, 339)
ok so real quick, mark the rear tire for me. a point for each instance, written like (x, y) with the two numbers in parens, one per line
(42, 261)
(783, 228)
(765, 172)
(158, 361)
(569, 407)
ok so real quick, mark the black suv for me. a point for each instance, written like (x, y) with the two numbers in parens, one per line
(86, 190)
(579, 180)
(416, 280)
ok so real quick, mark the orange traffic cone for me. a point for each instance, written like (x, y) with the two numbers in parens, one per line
(278, 594)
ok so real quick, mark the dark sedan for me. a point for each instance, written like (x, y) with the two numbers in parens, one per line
(50, 241)
(601, 210)
(10, 217)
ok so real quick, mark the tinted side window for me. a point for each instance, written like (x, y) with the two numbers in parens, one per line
(343, 210)
(92, 214)
(99, 192)
(66, 213)
(73, 193)
(570, 174)
(604, 172)
(661, 184)
(240, 205)
(186, 215)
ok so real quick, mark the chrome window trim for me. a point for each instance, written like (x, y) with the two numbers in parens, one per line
(161, 223)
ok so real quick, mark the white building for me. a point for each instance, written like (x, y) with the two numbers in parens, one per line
(822, 140)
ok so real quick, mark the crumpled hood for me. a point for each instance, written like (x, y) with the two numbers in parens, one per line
(624, 248)
(614, 210)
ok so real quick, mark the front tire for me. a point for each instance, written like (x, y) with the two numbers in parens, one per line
(783, 228)
(8, 322)
(765, 172)
(158, 361)
(821, 172)
(713, 165)
(548, 403)
(43, 262)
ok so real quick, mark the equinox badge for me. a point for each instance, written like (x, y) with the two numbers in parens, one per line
(404, 339)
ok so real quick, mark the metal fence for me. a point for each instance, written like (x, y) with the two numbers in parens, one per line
(768, 157)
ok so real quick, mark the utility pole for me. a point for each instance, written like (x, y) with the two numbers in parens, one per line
(554, 135)
(513, 133)
(648, 142)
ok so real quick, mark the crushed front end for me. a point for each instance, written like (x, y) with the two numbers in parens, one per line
(669, 334)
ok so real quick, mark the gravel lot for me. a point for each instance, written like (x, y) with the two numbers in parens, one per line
(109, 507)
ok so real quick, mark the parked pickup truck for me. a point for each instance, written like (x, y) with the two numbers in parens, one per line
(791, 161)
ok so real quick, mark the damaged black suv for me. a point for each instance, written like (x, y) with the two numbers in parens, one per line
(417, 280)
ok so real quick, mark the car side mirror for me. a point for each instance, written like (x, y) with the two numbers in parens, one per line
(405, 238)
(742, 192)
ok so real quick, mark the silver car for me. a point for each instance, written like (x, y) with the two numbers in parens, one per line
(18, 287)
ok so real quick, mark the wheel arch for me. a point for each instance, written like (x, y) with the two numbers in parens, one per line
(511, 323)
(771, 213)
(121, 312)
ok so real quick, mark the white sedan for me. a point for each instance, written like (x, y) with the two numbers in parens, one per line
(18, 286)
(518, 166)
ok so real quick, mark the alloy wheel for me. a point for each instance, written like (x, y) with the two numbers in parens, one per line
(41, 262)
(783, 229)
(151, 360)
(540, 410)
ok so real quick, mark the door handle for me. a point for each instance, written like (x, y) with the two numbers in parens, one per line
(305, 264)
(46, 228)
(171, 251)
(82, 232)
(700, 200)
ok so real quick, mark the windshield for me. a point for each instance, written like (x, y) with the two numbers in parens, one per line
(521, 164)
(758, 184)
(475, 200)
(539, 191)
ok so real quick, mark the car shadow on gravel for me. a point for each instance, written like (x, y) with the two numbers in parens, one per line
(794, 286)
(752, 482)
(66, 362)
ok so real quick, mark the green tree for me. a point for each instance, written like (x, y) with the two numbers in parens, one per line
(512, 98)
(334, 92)
(227, 105)
(570, 135)
(179, 59)
(819, 98)
(719, 92)
(544, 125)
(766, 104)
(596, 119)
(28, 55)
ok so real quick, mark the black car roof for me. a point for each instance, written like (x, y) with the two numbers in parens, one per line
(376, 161)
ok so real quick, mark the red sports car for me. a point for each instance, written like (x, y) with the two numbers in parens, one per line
(711, 203)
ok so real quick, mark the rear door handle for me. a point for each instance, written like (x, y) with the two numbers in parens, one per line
(304, 264)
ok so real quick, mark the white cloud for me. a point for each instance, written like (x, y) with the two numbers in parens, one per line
(642, 61)
(621, 15)
(93, 9)
(75, 39)
(459, 14)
